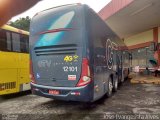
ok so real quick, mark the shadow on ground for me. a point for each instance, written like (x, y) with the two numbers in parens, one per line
(15, 95)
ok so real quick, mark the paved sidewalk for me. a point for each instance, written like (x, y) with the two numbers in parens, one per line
(144, 79)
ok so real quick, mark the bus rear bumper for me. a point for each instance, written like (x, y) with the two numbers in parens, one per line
(82, 94)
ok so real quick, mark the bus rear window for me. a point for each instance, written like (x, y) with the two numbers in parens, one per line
(57, 28)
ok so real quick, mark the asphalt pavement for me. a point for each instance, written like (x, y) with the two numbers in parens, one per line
(129, 100)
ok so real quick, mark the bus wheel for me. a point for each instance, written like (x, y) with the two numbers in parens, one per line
(110, 87)
(122, 79)
(115, 86)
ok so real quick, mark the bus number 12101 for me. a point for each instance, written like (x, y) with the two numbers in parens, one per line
(70, 69)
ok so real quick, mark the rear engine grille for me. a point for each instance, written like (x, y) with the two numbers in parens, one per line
(9, 85)
(56, 50)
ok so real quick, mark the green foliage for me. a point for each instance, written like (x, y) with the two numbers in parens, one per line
(22, 23)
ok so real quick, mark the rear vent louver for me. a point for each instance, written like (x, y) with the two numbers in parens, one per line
(9, 85)
(56, 50)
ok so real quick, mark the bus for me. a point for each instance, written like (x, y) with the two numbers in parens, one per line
(74, 55)
(14, 60)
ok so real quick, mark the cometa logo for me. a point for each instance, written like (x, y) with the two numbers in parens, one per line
(110, 47)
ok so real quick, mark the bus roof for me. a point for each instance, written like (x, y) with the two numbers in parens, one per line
(13, 29)
(74, 4)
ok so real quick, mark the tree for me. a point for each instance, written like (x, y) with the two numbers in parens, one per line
(22, 23)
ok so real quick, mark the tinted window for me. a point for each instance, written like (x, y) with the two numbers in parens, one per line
(5, 40)
(24, 39)
(141, 57)
(57, 27)
(9, 43)
(125, 58)
(16, 42)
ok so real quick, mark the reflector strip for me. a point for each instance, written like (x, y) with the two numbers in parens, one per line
(56, 30)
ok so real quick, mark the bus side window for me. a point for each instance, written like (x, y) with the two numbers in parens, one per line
(16, 42)
(3, 44)
(24, 45)
(9, 43)
(125, 58)
(5, 40)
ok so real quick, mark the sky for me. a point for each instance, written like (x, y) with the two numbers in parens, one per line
(96, 5)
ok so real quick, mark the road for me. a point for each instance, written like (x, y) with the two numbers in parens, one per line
(130, 99)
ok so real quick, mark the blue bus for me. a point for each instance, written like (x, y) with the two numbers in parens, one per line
(74, 55)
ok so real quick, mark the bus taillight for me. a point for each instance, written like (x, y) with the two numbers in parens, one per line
(31, 73)
(85, 74)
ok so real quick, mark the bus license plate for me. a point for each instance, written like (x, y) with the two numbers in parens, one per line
(54, 92)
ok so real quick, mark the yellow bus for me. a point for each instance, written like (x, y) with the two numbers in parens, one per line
(14, 60)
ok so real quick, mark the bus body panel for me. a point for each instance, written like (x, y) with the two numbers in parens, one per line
(64, 52)
(14, 72)
(14, 62)
(105, 53)
(23, 72)
(67, 93)
(8, 73)
(100, 46)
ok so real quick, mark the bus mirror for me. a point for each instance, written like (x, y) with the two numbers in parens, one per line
(152, 46)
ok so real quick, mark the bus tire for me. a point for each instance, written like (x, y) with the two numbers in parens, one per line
(110, 87)
(115, 85)
(122, 78)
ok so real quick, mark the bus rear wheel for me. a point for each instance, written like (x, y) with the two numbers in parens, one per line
(110, 87)
(115, 86)
(122, 78)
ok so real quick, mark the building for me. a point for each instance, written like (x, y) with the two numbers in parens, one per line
(137, 22)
